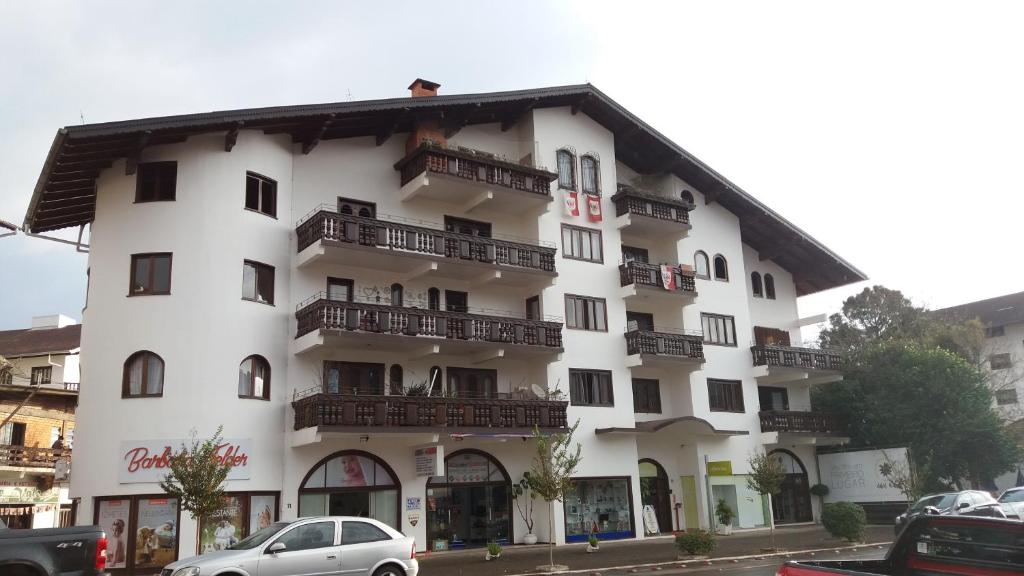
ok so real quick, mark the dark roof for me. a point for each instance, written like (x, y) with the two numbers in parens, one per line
(998, 311)
(8, 225)
(65, 194)
(39, 341)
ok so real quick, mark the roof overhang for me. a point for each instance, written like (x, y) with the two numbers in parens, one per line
(65, 194)
(682, 424)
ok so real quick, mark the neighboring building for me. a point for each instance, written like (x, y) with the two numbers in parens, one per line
(41, 391)
(532, 258)
(1003, 359)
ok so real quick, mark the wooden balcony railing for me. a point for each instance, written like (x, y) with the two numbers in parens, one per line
(790, 357)
(803, 422)
(30, 457)
(320, 313)
(324, 224)
(476, 166)
(629, 200)
(427, 412)
(71, 386)
(633, 272)
(681, 345)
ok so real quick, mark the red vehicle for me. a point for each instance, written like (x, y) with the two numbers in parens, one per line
(937, 546)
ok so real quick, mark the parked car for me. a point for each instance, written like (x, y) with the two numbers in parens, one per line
(78, 551)
(1012, 502)
(326, 545)
(936, 545)
(965, 503)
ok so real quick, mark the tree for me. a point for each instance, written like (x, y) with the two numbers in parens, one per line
(766, 476)
(551, 474)
(877, 313)
(196, 477)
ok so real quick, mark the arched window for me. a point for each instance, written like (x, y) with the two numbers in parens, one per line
(769, 286)
(254, 378)
(365, 212)
(566, 170)
(396, 294)
(700, 264)
(434, 299)
(435, 382)
(472, 476)
(395, 379)
(346, 209)
(755, 284)
(143, 375)
(721, 268)
(687, 196)
(591, 177)
(351, 483)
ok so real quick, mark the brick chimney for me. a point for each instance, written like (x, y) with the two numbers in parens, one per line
(424, 130)
(421, 87)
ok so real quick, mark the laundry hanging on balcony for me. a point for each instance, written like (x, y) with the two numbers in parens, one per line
(594, 208)
(572, 204)
(668, 276)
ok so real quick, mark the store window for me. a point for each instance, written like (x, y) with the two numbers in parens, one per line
(242, 514)
(351, 483)
(602, 506)
(470, 505)
(142, 531)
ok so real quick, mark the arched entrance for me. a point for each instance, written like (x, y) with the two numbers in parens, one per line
(470, 505)
(654, 492)
(351, 483)
(793, 503)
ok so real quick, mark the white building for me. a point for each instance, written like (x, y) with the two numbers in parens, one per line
(330, 261)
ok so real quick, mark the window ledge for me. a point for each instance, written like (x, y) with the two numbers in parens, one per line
(260, 212)
(135, 294)
(271, 304)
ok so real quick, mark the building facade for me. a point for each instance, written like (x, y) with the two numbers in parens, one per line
(380, 301)
(39, 383)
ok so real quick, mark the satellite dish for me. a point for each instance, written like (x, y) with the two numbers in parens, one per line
(538, 391)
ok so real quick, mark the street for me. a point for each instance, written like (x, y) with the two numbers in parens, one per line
(755, 567)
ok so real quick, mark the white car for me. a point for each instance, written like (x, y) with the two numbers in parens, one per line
(1012, 503)
(322, 546)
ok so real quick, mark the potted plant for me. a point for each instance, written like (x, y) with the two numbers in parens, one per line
(695, 544)
(724, 513)
(522, 492)
(592, 543)
(493, 551)
(820, 490)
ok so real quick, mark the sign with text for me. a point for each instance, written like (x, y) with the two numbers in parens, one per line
(857, 477)
(720, 468)
(430, 461)
(149, 460)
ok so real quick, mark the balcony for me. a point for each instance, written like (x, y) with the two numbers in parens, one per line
(413, 250)
(418, 332)
(474, 179)
(664, 348)
(42, 459)
(784, 426)
(427, 414)
(641, 280)
(787, 364)
(651, 216)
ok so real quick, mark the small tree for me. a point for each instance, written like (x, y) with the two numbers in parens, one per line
(197, 477)
(551, 474)
(766, 476)
(523, 490)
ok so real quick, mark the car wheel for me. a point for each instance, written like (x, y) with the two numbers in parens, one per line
(389, 570)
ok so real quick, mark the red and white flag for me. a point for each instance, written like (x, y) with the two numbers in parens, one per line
(668, 276)
(572, 204)
(594, 208)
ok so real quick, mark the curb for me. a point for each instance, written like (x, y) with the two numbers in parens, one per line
(708, 562)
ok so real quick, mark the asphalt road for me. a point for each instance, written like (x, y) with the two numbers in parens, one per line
(766, 567)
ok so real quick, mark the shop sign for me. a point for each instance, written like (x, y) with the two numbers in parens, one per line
(429, 461)
(149, 460)
(413, 503)
(28, 495)
(720, 468)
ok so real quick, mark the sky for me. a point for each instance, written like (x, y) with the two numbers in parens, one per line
(889, 131)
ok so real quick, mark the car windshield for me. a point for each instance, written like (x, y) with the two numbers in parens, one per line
(940, 501)
(1012, 496)
(259, 537)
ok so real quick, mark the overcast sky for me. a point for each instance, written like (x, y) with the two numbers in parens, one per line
(893, 132)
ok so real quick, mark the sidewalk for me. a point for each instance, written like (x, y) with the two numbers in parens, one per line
(525, 559)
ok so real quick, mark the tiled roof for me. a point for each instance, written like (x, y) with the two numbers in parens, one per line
(998, 311)
(38, 341)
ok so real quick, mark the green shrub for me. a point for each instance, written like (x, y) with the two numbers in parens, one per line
(724, 512)
(820, 490)
(493, 548)
(592, 540)
(696, 542)
(844, 520)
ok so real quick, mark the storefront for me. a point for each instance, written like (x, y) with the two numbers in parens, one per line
(749, 507)
(351, 483)
(142, 531)
(242, 514)
(470, 505)
(654, 492)
(601, 506)
(793, 504)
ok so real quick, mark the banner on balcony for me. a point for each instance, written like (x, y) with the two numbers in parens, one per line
(668, 276)
(572, 204)
(149, 460)
(594, 208)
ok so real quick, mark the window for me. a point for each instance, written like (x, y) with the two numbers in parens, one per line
(257, 282)
(773, 398)
(533, 308)
(41, 375)
(769, 286)
(725, 395)
(472, 382)
(151, 274)
(995, 362)
(591, 176)
(631, 254)
(436, 381)
(468, 227)
(995, 331)
(581, 244)
(308, 536)
(143, 375)
(396, 294)
(584, 313)
(700, 265)
(13, 434)
(359, 532)
(357, 208)
(686, 196)
(254, 378)
(156, 181)
(590, 388)
(755, 285)
(353, 378)
(260, 194)
(396, 376)
(721, 268)
(646, 396)
(566, 170)
(433, 299)
(340, 289)
(718, 329)
(456, 301)
(639, 321)
(6, 378)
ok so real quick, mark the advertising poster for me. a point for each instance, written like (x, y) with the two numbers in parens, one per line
(261, 512)
(224, 528)
(467, 468)
(156, 534)
(857, 477)
(113, 519)
(351, 470)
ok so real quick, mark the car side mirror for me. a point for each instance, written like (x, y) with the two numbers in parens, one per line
(276, 547)
(963, 505)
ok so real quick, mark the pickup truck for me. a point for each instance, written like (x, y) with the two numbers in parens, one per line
(76, 551)
(935, 546)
